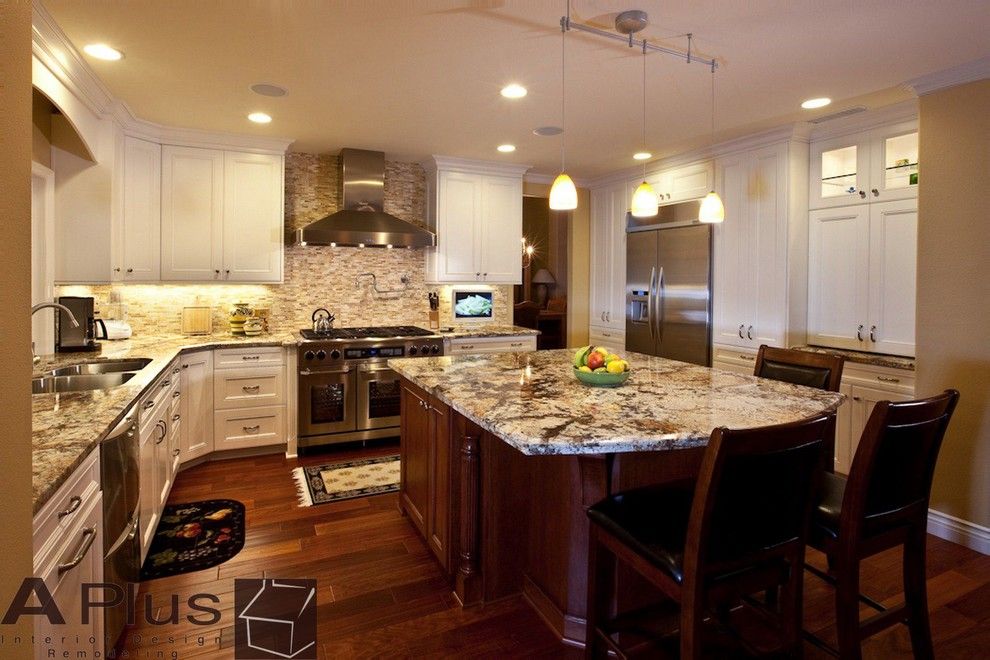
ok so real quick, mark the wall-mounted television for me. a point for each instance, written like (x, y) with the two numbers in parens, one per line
(473, 305)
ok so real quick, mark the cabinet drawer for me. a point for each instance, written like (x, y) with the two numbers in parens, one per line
(738, 360)
(230, 358)
(240, 388)
(252, 427)
(65, 507)
(157, 395)
(614, 339)
(898, 381)
(497, 345)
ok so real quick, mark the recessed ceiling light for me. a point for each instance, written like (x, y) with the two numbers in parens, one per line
(514, 91)
(260, 118)
(642, 155)
(103, 52)
(506, 148)
(811, 104)
(548, 131)
(269, 89)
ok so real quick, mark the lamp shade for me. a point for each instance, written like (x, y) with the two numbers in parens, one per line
(645, 203)
(712, 210)
(543, 276)
(563, 194)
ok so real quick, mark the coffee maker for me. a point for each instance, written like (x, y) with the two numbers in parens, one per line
(83, 338)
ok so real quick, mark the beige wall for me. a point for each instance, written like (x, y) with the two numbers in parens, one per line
(15, 326)
(953, 336)
(578, 263)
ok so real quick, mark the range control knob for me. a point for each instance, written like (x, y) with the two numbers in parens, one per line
(321, 354)
(334, 354)
(413, 350)
(309, 355)
(435, 349)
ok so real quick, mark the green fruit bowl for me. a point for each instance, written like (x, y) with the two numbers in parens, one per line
(601, 379)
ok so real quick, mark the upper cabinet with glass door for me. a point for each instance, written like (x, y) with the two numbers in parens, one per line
(879, 165)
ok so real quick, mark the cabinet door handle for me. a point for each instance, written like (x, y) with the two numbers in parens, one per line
(74, 502)
(116, 270)
(250, 388)
(175, 371)
(175, 417)
(216, 273)
(226, 273)
(862, 194)
(176, 394)
(888, 379)
(166, 383)
(873, 333)
(185, 366)
(89, 535)
(608, 316)
(859, 333)
(741, 326)
(147, 404)
(749, 332)
(856, 398)
(175, 452)
(876, 193)
(160, 424)
(130, 270)
(252, 429)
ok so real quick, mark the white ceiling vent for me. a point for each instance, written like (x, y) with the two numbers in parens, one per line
(855, 110)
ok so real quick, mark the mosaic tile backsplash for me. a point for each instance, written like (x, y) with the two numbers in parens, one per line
(315, 276)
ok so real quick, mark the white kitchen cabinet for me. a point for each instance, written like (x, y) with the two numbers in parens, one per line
(221, 215)
(141, 223)
(156, 463)
(609, 206)
(475, 209)
(196, 405)
(878, 165)
(681, 184)
(612, 339)
(192, 213)
(864, 386)
(759, 250)
(862, 277)
(252, 217)
(737, 360)
(477, 345)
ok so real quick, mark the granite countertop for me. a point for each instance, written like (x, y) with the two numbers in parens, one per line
(481, 331)
(533, 402)
(860, 357)
(67, 426)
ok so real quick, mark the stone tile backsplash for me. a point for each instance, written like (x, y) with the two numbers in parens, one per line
(315, 276)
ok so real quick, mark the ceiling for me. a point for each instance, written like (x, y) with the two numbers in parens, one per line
(421, 77)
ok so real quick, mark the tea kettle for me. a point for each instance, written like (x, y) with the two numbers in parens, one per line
(322, 321)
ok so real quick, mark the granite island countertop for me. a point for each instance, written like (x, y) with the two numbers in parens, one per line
(533, 402)
(67, 426)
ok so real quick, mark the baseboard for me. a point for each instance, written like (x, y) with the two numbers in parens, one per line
(965, 533)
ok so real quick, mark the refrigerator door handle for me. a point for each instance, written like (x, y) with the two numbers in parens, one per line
(650, 305)
(659, 306)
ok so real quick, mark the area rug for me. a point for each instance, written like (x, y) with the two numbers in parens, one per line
(194, 536)
(322, 484)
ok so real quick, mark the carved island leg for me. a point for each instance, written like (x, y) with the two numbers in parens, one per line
(468, 583)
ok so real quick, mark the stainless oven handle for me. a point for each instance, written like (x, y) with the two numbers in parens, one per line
(307, 372)
(368, 370)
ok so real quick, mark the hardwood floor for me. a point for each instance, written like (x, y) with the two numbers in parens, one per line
(380, 593)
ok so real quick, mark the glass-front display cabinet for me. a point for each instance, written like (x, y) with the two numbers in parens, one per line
(871, 166)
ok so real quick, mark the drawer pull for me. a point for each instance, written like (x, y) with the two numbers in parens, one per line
(148, 404)
(166, 382)
(176, 417)
(888, 379)
(176, 394)
(175, 452)
(467, 347)
(89, 535)
(516, 343)
(250, 388)
(74, 503)
(252, 429)
(747, 357)
(175, 371)
(250, 357)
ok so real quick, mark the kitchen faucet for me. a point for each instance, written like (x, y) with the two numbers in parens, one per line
(75, 324)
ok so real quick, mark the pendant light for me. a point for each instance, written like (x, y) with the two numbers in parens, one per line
(563, 194)
(712, 210)
(645, 203)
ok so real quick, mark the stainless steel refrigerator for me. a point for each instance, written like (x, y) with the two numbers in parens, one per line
(668, 285)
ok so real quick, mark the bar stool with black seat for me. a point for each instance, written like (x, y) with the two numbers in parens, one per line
(820, 370)
(739, 529)
(883, 504)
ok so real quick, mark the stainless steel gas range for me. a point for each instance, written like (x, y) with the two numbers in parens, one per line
(346, 390)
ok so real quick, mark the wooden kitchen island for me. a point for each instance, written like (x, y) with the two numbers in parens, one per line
(502, 455)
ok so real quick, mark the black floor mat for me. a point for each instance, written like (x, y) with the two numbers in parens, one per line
(194, 536)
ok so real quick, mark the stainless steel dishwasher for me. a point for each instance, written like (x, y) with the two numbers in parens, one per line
(119, 474)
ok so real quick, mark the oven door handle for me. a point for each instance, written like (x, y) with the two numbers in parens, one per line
(307, 372)
(370, 370)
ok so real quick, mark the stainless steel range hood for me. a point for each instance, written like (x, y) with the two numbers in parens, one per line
(362, 221)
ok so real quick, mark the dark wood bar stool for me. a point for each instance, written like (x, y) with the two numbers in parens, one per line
(800, 367)
(738, 530)
(883, 504)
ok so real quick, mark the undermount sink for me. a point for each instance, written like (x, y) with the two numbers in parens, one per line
(78, 383)
(101, 367)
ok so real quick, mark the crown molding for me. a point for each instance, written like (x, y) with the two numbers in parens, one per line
(57, 54)
(951, 77)
(436, 162)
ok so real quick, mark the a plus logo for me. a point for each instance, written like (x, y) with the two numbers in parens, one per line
(274, 619)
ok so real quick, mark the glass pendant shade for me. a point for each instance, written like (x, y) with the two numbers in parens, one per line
(563, 194)
(645, 203)
(712, 210)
